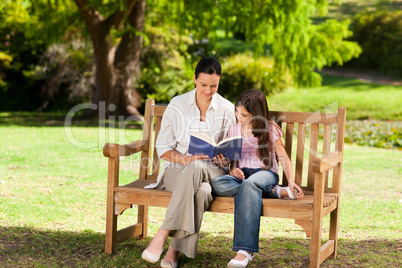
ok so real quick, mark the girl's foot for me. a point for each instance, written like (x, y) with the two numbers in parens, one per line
(241, 260)
(284, 192)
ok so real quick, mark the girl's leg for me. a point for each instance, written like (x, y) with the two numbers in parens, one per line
(225, 185)
(248, 205)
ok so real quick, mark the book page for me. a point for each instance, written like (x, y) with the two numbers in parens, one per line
(204, 137)
(228, 139)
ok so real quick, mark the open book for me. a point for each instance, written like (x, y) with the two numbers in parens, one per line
(202, 144)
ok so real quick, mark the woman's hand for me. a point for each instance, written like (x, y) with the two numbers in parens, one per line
(221, 161)
(237, 172)
(197, 157)
(293, 185)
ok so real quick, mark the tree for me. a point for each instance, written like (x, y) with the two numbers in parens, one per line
(297, 45)
(115, 64)
(116, 29)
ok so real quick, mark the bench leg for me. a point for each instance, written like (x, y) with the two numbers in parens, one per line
(111, 230)
(111, 218)
(315, 244)
(333, 230)
(143, 218)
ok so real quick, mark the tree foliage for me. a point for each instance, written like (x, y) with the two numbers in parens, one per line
(380, 36)
(27, 29)
(117, 31)
(297, 45)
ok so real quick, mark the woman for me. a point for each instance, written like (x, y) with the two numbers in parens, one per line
(188, 176)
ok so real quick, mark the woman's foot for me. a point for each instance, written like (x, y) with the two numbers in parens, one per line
(241, 259)
(154, 250)
(171, 258)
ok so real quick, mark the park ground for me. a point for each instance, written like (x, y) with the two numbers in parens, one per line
(52, 209)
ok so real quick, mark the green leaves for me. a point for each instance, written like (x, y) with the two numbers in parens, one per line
(297, 44)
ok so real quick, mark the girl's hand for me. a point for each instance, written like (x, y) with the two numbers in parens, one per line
(238, 173)
(197, 157)
(220, 160)
(293, 185)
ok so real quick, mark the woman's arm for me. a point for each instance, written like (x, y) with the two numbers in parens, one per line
(287, 167)
(176, 157)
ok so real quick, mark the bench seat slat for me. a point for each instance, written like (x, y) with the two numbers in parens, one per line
(135, 193)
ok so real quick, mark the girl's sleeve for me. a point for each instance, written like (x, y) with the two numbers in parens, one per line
(232, 131)
(275, 133)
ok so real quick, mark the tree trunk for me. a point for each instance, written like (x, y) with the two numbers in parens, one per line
(127, 65)
(116, 68)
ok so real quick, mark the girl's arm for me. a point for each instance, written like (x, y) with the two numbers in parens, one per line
(235, 171)
(287, 167)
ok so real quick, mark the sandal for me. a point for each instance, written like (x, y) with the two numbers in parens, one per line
(236, 264)
(292, 196)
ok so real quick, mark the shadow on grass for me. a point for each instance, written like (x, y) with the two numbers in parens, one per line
(348, 9)
(346, 83)
(30, 247)
(35, 119)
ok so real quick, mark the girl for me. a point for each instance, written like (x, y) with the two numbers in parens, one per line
(256, 174)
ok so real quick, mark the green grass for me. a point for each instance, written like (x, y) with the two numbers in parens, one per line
(53, 195)
(362, 100)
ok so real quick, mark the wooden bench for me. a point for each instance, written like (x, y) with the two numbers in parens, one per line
(314, 139)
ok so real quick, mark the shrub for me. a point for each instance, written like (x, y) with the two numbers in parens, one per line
(167, 70)
(66, 72)
(242, 71)
(382, 134)
(379, 34)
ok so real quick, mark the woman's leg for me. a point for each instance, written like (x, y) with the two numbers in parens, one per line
(190, 198)
(248, 205)
(157, 243)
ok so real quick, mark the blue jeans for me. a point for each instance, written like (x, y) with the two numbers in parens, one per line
(248, 195)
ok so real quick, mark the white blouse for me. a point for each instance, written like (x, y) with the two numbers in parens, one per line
(182, 118)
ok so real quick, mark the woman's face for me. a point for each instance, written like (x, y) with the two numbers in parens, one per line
(242, 115)
(207, 85)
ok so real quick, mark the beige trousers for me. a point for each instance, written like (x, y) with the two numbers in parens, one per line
(191, 197)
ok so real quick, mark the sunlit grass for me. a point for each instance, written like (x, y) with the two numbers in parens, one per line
(362, 100)
(53, 200)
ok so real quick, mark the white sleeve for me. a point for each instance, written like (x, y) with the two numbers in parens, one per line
(166, 140)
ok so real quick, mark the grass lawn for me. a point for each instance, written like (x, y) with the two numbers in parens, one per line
(53, 194)
(362, 100)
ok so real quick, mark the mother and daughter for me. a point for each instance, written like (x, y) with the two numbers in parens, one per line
(190, 177)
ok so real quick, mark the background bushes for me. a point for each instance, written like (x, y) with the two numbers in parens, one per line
(243, 71)
(379, 33)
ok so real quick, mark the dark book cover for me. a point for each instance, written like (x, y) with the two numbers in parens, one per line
(202, 144)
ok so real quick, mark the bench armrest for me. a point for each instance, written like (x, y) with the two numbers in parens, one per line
(113, 149)
(327, 162)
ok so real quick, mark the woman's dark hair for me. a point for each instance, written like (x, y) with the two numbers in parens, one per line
(208, 65)
(255, 102)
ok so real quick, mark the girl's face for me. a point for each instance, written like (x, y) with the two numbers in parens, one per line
(243, 116)
(207, 85)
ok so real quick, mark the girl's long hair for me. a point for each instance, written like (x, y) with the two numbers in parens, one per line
(255, 102)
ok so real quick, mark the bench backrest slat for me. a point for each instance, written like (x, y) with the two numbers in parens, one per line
(288, 145)
(318, 127)
(312, 152)
(300, 153)
(326, 147)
